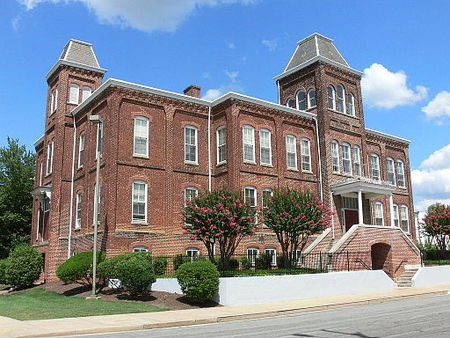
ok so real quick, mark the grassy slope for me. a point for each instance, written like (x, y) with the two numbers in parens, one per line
(42, 304)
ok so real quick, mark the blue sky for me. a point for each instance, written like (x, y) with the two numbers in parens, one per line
(239, 45)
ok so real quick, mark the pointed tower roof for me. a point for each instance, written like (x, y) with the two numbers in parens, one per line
(79, 54)
(315, 47)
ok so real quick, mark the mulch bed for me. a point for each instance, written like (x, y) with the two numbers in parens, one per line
(169, 300)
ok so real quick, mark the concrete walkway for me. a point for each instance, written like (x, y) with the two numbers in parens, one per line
(128, 322)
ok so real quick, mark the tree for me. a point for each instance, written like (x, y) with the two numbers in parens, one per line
(294, 217)
(16, 182)
(219, 219)
(437, 224)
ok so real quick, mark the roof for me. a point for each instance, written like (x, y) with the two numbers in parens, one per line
(315, 47)
(388, 136)
(78, 54)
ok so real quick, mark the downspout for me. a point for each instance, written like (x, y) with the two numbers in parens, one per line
(209, 150)
(69, 237)
(320, 159)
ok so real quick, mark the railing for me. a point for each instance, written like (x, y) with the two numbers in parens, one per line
(400, 265)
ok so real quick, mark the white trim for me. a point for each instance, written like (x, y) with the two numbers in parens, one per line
(74, 64)
(218, 162)
(81, 136)
(251, 187)
(295, 152)
(388, 136)
(265, 130)
(39, 141)
(133, 220)
(186, 127)
(253, 143)
(317, 241)
(141, 118)
(309, 154)
(290, 60)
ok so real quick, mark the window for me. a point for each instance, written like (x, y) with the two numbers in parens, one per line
(404, 218)
(400, 174)
(375, 166)
(86, 92)
(272, 253)
(390, 170)
(335, 156)
(395, 215)
(267, 194)
(357, 160)
(291, 103)
(340, 99)
(252, 254)
(78, 211)
(139, 202)
(350, 105)
(291, 152)
(140, 249)
(74, 93)
(250, 196)
(99, 146)
(81, 150)
(190, 144)
(379, 220)
(346, 159)
(331, 98)
(265, 145)
(99, 197)
(54, 101)
(50, 149)
(301, 100)
(140, 144)
(248, 140)
(306, 155)
(193, 253)
(190, 193)
(221, 145)
(312, 98)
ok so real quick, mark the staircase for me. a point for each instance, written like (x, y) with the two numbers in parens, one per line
(405, 280)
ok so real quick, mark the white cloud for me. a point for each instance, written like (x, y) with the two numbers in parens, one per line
(424, 204)
(385, 89)
(214, 93)
(440, 159)
(145, 15)
(15, 22)
(271, 44)
(232, 75)
(439, 106)
(231, 45)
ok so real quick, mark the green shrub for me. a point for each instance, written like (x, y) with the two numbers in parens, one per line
(160, 265)
(246, 264)
(136, 273)
(24, 266)
(198, 280)
(233, 264)
(263, 262)
(3, 266)
(107, 268)
(78, 268)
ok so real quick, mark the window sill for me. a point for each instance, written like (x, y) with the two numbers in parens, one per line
(267, 165)
(141, 156)
(250, 162)
(293, 169)
(77, 229)
(191, 163)
(342, 113)
(221, 164)
(73, 103)
(80, 167)
(307, 171)
(138, 223)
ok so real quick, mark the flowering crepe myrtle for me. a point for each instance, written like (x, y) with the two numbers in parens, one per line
(436, 224)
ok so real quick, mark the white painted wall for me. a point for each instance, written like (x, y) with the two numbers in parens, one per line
(167, 285)
(432, 275)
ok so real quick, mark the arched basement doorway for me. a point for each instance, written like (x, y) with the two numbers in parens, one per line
(380, 256)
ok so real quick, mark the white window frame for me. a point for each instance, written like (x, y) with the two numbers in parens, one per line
(375, 167)
(400, 173)
(140, 248)
(252, 254)
(301, 101)
(141, 134)
(340, 99)
(81, 149)
(294, 144)
(133, 201)
(251, 188)
(99, 140)
(310, 105)
(78, 206)
(249, 142)
(74, 93)
(291, 103)
(54, 101)
(265, 144)
(346, 150)
(378, 211)
(195, 144)
(357, 160)
(331, 96)
(221, 147)
(193, 253)
(305, 151)
(264, 192)
(273, 253)
(404, 217)
(186, 194)
(350, 104)
(396, 215)
(390, 166)
(49, 165)
(86, 91)
(335, 157)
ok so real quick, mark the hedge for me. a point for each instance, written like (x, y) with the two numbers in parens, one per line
(198, 280)
(78, 268)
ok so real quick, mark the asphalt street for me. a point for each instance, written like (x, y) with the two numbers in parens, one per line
(418, 317)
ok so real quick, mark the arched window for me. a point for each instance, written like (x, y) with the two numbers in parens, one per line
(400, 173)
(86, 92)
(139, 202)
(312, 98)
(378, 214)
(331, 97)
(265, 146)
(340, 99)
(221, 145)
(248, 143)
(190, 145)
(291, 103)
(54, 101)
(306, 155)
(301, 100)
(390, 170)
(350, 105)
(404, 219)
(140, 144)
(140, 248)
(335, 156)
(375, 166)
(291, 152)
(357, 160)
(50, 150)
(346, 159)
(74, 93)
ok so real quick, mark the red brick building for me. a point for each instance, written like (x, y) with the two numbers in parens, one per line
(158, 148)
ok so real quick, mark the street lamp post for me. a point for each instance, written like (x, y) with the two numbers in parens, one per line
(99, 122)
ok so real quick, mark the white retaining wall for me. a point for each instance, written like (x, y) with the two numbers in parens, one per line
(264, 289)
(432, 275)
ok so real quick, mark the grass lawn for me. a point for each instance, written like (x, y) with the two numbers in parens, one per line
(42, 304)
(437, 262)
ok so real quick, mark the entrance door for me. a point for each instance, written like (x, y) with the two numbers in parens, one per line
(351, 218)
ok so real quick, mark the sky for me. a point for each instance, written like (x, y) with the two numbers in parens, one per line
(401, 46)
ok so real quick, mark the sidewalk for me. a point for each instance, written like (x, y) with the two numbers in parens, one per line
(137, 321)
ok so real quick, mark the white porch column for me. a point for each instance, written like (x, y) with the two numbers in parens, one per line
(360, 208)
(391, 209)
